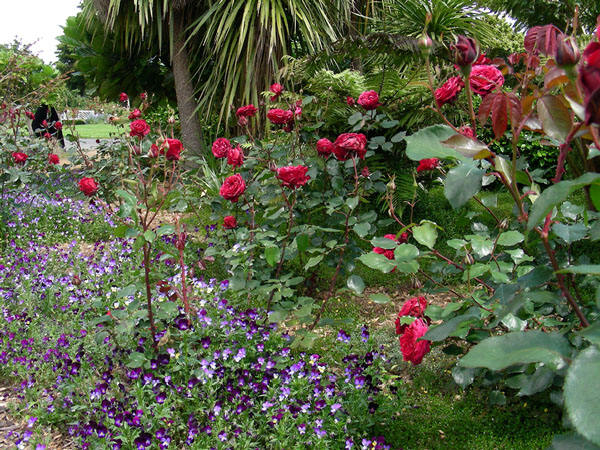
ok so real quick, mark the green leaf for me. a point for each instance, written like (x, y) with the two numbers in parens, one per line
(555, 117)
(595, 194)
(456, 326)
(406, 258)
(382, 299)
(302, 240)
(582, 393)
(165, 229)
(313, 261)
(539, 381)
(127, 196)
(384, 242)
(167, 310)
(355, 118)
(272, 255)
(462, 183)
(352, 202)
(427, 143)
(150, 236)
(592, 333)
(362, 229)
(277, 316)
(468, 147)
(510, 238)
(463, 376)
(571, 442)
(136, 359)
(481, 246)
(500, 352)
(398, 137)
(426, 234)
(127, 291)
(555, 195)
(356, 283)
(377, 262)
(497, 398)
(570, 233)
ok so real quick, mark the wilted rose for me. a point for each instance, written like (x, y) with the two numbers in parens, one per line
(465, 51)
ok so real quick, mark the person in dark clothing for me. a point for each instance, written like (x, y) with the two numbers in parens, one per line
(52, 125)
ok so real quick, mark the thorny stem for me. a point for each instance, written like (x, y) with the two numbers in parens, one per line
(149, 294)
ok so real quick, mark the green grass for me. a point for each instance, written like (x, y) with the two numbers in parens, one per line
(98, 130)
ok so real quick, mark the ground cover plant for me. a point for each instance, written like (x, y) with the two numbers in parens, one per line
(145, 349)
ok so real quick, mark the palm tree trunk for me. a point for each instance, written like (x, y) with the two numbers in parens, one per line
(191, 132)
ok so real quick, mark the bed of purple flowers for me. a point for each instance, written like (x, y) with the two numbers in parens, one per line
(227, 378)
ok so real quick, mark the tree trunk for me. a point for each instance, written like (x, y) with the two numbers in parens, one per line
(191, 132)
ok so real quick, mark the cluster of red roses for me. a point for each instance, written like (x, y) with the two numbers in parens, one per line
(20, 157)
(222, 148)
(369, 100)
(484, 77)
(346, 146)
(589, 78)
(412, 348)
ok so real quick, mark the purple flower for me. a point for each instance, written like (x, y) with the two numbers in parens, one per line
(343, 336)
(222, 436)
(161, 397)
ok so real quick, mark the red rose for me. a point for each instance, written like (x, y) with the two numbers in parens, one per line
(174, 150)
(29, 115)
(485, 79)
(139, 128)
(143, 96)
(389, 254)
(365, 172)
(19, 157)
(235, 157)
(58, 125)
(47, 135)
(233, 187)
(293, 176)
(246, 111)
(123, 97)
(325, 147)
(221, 147)
(229, 222)
(412, 349)
(349, 144)
(448, 92)
(45, 123)
(276, 89)
(403, 238)
(428, 164)
(589, 79)
(465, 51)
(280, 116)
(53, 159)
(369, 100)
(135, 114)
(88, 186)
(350, 101)
(466, 130)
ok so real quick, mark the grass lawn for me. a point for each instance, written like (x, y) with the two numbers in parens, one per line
(98, 130)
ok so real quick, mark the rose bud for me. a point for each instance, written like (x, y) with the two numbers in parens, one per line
(567, 53)
(45, 123)
(77, 281)
(47, 135)
(465, 51)
(350, 101)
(123, 97)
(143, 96)
(425, 43)
(171, 120)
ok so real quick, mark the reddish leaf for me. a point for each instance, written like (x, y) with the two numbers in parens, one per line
(514, 108)
(499, 115)
(542, 39)
(467, 146)
(555, 117)
(533, 124)
(555, 77)
(486, 107)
